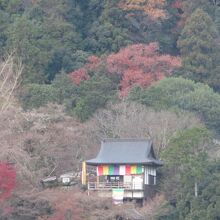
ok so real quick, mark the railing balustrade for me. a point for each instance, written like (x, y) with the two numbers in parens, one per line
(114, 185)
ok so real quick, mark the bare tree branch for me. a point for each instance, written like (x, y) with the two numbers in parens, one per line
(10, 76)
(132, 120)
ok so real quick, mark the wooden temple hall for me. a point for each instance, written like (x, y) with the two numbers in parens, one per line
(123, 169)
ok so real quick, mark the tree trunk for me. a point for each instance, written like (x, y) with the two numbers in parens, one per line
(196, 189)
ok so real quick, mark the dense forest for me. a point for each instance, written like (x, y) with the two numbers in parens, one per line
(75, 71)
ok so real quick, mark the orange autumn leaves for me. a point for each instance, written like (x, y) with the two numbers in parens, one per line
(137, 65)
(153, 8)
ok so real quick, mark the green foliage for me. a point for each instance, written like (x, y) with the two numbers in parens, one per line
(191, 6)
(61, 91)
(4, 22)
(108, 33)
(67, 92)
(105, 38)
(186, 162)
(44, 39)
(13, 6)
(26, 38)
(94, 94)
(164, 94)
(217, 19)
(187, 152)
(184, 94)
(65, 42)
(198, 48)
(55, 37)
(37, 95)
(203, 100)
(81, 101)
(206, 205)
(58, 35)
(78, 59)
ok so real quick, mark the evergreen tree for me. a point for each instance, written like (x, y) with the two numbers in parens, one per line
(93, 94)
(109, 30)
(198, 48)
(186, 161)
(45, 40)
(204, 207)
(189, 7)
(187, 152)
(217, 18)
(31, 45)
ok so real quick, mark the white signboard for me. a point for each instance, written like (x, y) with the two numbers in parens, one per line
(66, 180)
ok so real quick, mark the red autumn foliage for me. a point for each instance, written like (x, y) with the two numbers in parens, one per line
(93, 62)
(7, 180)
(81, 74)
(141, 64)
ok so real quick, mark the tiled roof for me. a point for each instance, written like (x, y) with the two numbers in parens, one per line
(125, 151)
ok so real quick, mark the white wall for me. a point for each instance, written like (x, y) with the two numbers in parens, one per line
(148, 170)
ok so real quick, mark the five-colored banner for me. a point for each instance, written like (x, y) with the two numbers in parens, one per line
(119, 170)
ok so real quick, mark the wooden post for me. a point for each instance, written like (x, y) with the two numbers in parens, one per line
(83, 173)
(97, 181)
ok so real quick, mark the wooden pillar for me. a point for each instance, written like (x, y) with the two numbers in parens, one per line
(97, 181)
(84, 173)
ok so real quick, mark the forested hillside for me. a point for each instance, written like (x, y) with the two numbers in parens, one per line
(75, 71)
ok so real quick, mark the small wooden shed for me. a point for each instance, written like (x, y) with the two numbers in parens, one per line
(125, 168)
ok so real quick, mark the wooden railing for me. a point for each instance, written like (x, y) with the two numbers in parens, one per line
(114, 185)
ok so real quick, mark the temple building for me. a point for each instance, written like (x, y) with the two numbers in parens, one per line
(124, 169)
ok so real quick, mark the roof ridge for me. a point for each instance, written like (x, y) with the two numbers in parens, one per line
(126, 139)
